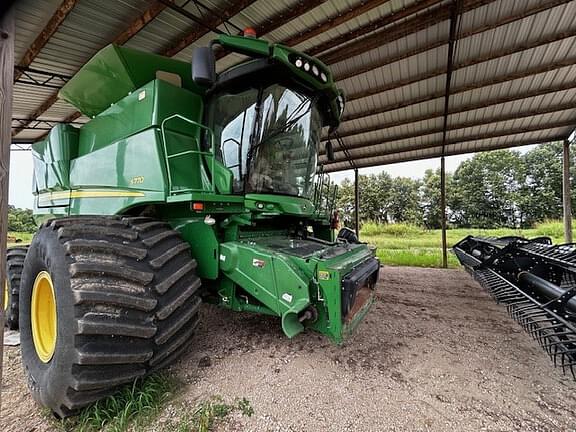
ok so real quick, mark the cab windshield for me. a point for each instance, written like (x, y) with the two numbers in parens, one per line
(268, 138)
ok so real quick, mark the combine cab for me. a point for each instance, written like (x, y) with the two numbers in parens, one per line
(536, 281)
(186, 186)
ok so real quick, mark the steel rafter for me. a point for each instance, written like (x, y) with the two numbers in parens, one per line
(411, 25)
(51, 27)
(403, 155)
(495, 134)
(463, 34)
(280, 19)
(463, 109)
(465, 125)
(467, 87)
(138, 24)
(212, 22)
(40, 78)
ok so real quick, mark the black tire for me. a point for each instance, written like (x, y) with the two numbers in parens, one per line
(14, 263)
(126, 300)
(347, 235)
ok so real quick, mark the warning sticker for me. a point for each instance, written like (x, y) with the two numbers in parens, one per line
(258, 262)
(323, 275)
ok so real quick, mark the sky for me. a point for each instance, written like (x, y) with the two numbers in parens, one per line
(21, 173)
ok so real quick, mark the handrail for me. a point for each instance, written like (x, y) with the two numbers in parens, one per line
(210, 153)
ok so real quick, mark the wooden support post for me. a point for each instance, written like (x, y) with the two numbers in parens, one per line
(6, 79)
(357, 202)
(566, 195)
(443, 211)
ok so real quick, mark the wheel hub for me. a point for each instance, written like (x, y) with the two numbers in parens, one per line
(43, 316)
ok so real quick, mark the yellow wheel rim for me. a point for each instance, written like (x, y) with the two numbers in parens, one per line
(43, 317)
(5, 295)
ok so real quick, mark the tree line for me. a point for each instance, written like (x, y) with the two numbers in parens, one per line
(502, 188)
(21, 220)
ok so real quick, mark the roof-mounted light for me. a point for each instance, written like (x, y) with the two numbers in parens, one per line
(249, 32)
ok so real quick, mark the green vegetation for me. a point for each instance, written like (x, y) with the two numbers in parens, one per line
(410, 245)
(497, 189)
(205, 416)
(21, 220)
(21, 238)
(132, 406)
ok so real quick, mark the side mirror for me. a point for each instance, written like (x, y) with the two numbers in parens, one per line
(203, 67)
(329, 151)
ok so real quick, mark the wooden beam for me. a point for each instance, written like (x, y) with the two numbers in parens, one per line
(279, 20)
(467, 87)
(463, 109)
(566, 193)
(135, 26)
(462, 35)
(213, 21)
(287, 15)
(556, 37)
(379, 23)
(333, 21)
(465, 125)
(7, 35)
(470, 138)
(412, 25)
(49, 29)
(449, 152)
(139, 23)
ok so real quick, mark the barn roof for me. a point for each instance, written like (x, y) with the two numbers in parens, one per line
(510, 64)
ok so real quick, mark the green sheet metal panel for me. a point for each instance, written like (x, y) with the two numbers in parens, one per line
(52, 158)
(144, 108)
(114, 72)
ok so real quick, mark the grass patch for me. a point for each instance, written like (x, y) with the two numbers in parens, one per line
(207, 414)
(409, 245)
(19, 238)
(554, 229)
(132, 406)
(416, 257)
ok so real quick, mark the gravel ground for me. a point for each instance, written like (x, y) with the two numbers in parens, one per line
(435, 353)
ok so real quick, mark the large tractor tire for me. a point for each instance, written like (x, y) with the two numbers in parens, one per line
(103, 301)
(14, 263)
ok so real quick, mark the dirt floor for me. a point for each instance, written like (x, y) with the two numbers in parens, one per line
(435, 353)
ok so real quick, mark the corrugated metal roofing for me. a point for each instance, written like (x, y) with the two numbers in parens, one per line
(514, 79)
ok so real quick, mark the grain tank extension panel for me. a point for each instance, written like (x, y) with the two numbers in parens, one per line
(115, 71)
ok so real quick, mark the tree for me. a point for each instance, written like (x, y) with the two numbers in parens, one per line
(487, 190)
(404, 201)
(430, 198)
(541, 194)
(375, 194)
(21, 220)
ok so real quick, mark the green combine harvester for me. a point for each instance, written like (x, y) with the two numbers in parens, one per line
(186, 186)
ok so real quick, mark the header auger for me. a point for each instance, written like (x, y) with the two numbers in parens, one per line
(536, 281)
(186, 186)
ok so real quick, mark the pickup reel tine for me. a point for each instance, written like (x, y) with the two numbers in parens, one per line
(536, 281)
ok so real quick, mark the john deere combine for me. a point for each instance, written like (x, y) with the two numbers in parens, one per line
(186, 186)
(536, 281)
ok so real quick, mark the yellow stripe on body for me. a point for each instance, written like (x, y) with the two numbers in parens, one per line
(52, 196)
